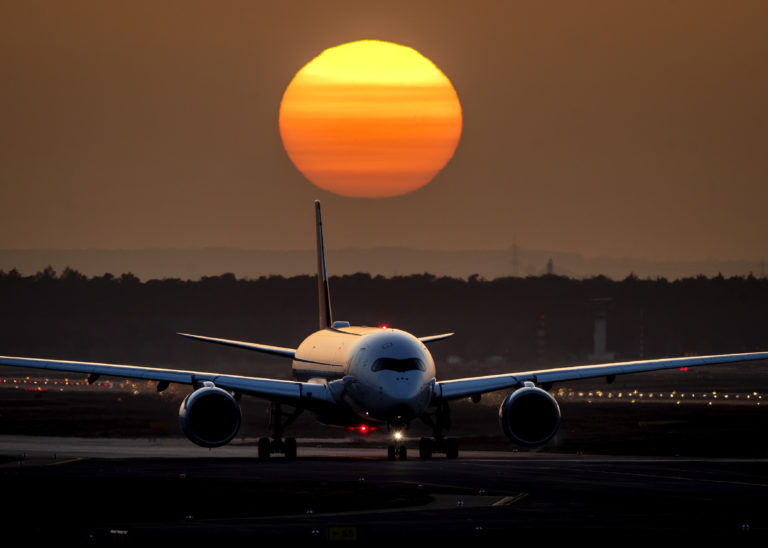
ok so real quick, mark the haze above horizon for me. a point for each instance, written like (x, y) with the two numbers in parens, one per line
(607, 130)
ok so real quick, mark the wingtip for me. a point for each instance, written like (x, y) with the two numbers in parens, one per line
(434, 338)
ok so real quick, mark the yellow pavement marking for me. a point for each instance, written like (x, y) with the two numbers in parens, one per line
(57, 463)
(508, 501)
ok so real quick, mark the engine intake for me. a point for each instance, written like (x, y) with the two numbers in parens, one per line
(529, 416)
(210, 416)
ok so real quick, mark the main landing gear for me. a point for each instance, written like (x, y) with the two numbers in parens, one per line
(277, 444)
(430, 446)
(438, 420)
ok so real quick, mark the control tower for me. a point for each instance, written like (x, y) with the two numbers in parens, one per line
(600, 335)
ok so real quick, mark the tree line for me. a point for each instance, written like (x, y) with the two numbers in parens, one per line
(538, 319)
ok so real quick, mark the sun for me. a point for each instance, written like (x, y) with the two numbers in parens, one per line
(370, 119)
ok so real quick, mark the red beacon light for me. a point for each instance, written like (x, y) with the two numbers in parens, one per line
(363, 428)
(384, 326)
(683, 369)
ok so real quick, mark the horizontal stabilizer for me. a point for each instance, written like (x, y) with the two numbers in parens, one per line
(276, 350)
(433, 338)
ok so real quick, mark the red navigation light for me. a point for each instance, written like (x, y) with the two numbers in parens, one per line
(362, 428)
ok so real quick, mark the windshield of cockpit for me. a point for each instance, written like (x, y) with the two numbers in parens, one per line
(400, 366)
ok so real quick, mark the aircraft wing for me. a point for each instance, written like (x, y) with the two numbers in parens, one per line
(276, 350)
(299, 394)
(462, 388)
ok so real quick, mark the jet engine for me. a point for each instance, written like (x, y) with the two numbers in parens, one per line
(529, 416)
(210, 416)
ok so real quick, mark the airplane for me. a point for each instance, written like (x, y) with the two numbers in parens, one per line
(364, 378)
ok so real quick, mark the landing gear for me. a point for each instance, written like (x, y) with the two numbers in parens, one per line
(439, 420)
(452, 448)
(290, 448)
(276, 423)
(398, 449)
(265, 449)
(426, 447)
(394, 451)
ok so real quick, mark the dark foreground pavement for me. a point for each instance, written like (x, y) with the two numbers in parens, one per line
(337, 494)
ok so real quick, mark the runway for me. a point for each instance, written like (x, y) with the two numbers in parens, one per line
(49, 449)
(107, 490)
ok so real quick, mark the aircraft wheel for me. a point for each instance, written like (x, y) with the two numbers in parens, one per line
(452, 448)
(425, 448)
(403, 452)
(391, 452)
(264, 448)
(290, 448)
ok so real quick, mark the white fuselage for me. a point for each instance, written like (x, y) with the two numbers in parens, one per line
(386, 375)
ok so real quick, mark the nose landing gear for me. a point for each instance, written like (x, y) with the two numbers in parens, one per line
(398, 449)
(395, 451)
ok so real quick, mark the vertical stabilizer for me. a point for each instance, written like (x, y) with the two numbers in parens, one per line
(323, 295)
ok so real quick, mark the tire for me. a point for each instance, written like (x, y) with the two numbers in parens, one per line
(290, 448)
(391, 452)
(425, 448)
(403, 452)
(452, 448)
(265, 449)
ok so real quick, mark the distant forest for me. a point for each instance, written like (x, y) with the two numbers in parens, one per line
(544, 320)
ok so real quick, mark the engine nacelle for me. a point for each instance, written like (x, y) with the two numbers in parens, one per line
(210, 416)
(529, 416)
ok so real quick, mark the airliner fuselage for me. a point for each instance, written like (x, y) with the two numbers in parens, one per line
(387, 375)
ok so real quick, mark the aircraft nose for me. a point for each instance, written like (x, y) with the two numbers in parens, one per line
(405, 385)
(407, 394)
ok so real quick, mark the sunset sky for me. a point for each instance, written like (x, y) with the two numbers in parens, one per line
(602, 128)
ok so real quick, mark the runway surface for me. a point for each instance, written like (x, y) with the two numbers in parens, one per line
(147, 492)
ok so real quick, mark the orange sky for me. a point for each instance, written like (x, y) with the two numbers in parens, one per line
(603, 128)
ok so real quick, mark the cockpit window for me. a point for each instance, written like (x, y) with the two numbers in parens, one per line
(400, 366)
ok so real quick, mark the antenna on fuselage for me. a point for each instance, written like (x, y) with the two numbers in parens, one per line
(323, 295)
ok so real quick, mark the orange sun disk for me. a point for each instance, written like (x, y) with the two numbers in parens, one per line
(370, 119)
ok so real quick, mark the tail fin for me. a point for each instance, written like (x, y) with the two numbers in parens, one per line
(324, 296)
